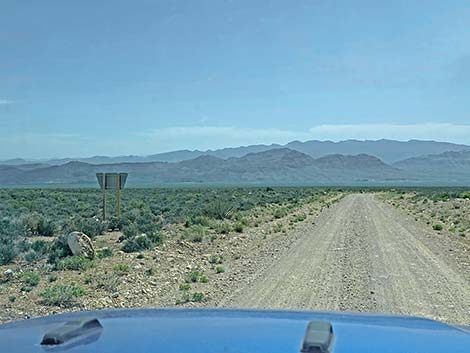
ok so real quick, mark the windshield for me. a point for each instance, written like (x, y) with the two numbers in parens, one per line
(310, 155)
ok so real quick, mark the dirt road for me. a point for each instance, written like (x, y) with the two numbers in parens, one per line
(363, 255)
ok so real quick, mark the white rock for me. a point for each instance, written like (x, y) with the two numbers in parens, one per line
(80, 244)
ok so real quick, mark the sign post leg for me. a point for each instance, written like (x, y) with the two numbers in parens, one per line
(104, 197)
(118, 186)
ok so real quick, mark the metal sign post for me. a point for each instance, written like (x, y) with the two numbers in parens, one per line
(118, 192)
(112, 181)
(103, 180)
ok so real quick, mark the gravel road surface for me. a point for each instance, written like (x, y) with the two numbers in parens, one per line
(363, 255)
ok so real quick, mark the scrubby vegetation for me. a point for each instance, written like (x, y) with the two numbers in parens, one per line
(154, 250)
(28, 213)
(74, 263)
(62, 295)
(440, 208)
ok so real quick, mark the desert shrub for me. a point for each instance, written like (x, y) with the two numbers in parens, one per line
(300, 217)
(216, 259)
(37, 250)
(219, 269)
(185, 286)
(12, 235)
(31, 278)
(195, 233)
(465, 195)
(7, 253)
(218, 209)
(130, 231)
(89, 279)
(39, 246)
(223, 227)
(32, 256)
(109, 282)
(200, 220)
(142, 242)
(46, 227)
(203, 279)
(193, 276)
(58, 249)
(437, 226)
(74, 263)
(194, 297)
(197, 297)
(30, 221)
(138, 243)
(90, 226)
(156, 238)
(279, 212)
(103, 253)
(148, 227)
(121, 268)
(238, 227)
(62, 295)
(116, 223)
(241, 217)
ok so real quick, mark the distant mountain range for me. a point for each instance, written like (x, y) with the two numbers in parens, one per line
(280, 166)
(389, 151)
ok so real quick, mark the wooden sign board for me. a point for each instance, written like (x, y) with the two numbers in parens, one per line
(111, 180)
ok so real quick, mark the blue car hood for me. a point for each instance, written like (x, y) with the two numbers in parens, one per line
(237, 331)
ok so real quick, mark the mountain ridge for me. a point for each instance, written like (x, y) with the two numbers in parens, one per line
(389, 151)
(274, 166)
(277, 165)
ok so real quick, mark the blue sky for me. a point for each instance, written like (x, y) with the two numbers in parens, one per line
(139, 77)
